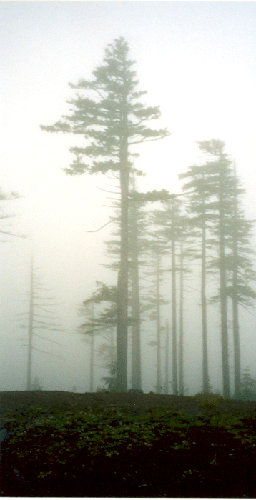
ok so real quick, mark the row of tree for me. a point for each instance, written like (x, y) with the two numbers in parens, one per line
(187, 228)
(109, 113)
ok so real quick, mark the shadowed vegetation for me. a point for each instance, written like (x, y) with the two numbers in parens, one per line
(103, 444)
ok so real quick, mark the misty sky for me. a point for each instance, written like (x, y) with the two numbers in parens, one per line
(197, 62)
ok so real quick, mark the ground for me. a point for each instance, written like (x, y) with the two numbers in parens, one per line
(63, 444)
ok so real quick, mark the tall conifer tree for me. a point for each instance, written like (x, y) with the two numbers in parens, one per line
(112, 118)
(220, 182)
(200, 214)
(239, 266)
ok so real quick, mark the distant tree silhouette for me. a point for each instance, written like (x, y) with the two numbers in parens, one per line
(39, 317)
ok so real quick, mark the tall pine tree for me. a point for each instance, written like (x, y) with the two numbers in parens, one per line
(200, 212)
(107, 111)
(220, 181)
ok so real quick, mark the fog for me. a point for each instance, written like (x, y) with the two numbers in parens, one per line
(197, 62)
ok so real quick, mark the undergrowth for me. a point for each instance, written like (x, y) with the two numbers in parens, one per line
(116, 451)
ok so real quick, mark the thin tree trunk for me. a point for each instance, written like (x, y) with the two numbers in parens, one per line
(112, 348)
(205, 376)
(31, 324)
(136, 350)
(174, 311)
(181, 368)
(158, 328)
(235, 321)
(223, 292)
(92, 354)
(236, 336)
(167, 359)
(122, 284)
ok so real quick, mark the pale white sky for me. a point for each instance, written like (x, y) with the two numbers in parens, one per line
(197, 62)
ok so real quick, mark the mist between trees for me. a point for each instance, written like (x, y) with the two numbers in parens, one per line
(199, 234)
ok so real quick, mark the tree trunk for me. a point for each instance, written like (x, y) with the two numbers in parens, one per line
(205, 376)
(223, 291)
(167, 359)
(122, 284)
(174, 312)
(158, 328)
(136, 350)
(235, 321)
(92, 353)
(236, 336)
(181, 368)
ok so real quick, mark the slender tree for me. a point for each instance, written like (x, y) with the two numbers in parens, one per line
(171, 232)
(167, 357)
(136, 341)
(178, 231)
(213, 192)
(88, 310)
(157, 248)
(174, 303)
(139, 244)
(156, 301)
(220, 179)
(171, 226)
(236, 333)
(40, 317)
(181, 331)
(239, 266)
(200, 212)
(112, 119)
(100, 312)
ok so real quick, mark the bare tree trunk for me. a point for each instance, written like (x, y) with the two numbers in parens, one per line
(122, 285)
(205, 376)
(112, 347)
(158, 328)
(236, 336)
(235, 321)
(181, 368)
(223, 291)
(167, 347)
(136, 349)
(174, 311)
(92, 354)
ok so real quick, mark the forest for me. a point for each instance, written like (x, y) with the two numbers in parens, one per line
(162, 246)
(172, 258)
(202, 230)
